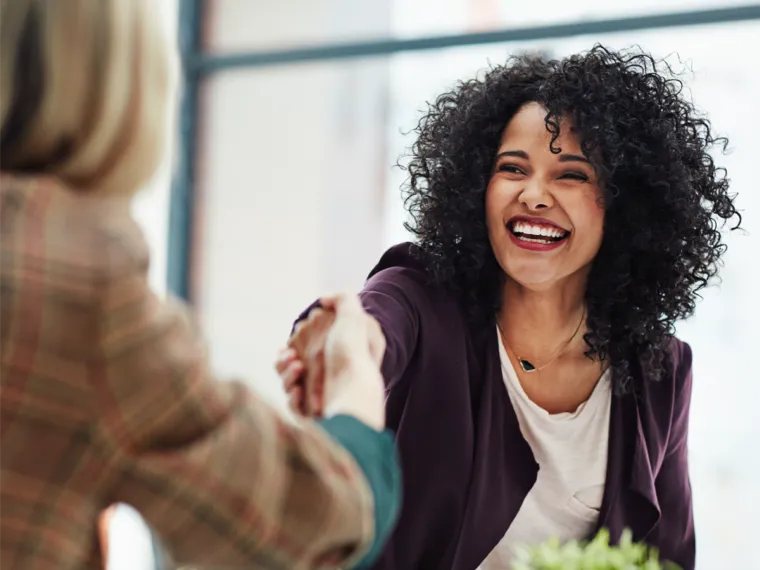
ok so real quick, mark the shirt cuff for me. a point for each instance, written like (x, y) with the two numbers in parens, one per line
(375, 453)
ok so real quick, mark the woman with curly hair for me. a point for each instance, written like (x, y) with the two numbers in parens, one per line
(567, 216)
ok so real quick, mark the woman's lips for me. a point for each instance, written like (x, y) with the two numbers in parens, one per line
(536, 243)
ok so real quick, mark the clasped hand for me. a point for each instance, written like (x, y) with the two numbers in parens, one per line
(332, 362)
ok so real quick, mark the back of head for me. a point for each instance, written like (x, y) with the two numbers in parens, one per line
(86, 86)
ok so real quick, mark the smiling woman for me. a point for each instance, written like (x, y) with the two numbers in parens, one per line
(567, 214)
(543, 199)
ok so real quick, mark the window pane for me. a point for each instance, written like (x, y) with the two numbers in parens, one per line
(242, 25)
(300, 197)
(413, 18)
(292, 184)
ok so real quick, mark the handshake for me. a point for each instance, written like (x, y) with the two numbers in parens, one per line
(331, 365)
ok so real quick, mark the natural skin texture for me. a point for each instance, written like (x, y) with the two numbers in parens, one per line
(308, 341)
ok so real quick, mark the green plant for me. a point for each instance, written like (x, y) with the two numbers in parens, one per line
(597, 554)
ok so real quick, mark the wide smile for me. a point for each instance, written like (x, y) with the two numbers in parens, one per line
(537, 235)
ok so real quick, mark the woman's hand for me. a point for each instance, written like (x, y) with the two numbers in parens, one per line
(335, 352)
(302, 364)
(291, 371)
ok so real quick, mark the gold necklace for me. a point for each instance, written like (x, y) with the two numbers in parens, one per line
(527, 365)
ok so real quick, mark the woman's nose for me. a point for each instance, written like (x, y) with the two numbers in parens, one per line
(536, 195)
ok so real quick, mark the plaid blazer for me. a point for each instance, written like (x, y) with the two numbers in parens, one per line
(106, 397)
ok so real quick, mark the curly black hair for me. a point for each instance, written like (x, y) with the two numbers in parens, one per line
(663, 194)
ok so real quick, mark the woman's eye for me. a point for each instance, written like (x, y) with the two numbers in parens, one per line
(509, 168)
(574, 176)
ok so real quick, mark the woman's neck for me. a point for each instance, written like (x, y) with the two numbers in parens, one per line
(536, 322)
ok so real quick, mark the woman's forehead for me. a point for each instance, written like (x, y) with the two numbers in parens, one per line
(527, 128)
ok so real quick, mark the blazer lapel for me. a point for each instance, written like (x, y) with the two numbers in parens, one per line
(504, 469)
(630, 497)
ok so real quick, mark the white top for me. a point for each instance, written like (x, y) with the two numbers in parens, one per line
(571, 452)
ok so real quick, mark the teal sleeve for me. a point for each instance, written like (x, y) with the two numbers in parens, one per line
(375, 453)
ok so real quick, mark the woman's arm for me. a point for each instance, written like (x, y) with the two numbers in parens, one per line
(398, 297)
(389, 296)
(219, 474)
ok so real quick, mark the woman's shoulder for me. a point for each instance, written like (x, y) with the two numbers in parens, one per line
(677, 376)
(680, 353)
(401, 263)
(672, 392)
(681, 363)
(402, 275)
(93, 234)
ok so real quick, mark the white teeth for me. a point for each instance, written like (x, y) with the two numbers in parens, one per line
(544, 241)
(527, 229)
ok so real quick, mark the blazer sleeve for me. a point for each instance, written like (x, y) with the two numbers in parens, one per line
(221, 477)
(357, 439)
(674, 535)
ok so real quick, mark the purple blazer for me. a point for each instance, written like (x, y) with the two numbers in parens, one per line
(466, 466)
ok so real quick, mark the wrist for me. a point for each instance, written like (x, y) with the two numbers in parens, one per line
(359, 392)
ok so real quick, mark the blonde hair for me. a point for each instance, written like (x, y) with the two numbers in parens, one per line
(86, 87)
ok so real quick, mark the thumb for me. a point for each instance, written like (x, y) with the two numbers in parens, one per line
(349, 335)
(342, 302)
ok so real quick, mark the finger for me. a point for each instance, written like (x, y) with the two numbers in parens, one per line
(304, 322)
(319, 399)
(292, 374)
(295, 400)
(302, 326)
(314, 313)
(284, 358)
(296, 329)
(314, 394)
(313, 385)
(342, 302)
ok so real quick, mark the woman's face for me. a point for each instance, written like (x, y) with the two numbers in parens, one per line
(543, 210)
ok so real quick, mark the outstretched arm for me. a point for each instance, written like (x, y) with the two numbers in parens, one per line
(222, 477)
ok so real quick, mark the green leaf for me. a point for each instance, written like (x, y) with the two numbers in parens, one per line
(596, 554)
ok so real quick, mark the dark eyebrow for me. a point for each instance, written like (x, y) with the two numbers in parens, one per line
(573, 158)
(515, 153)
(524, 155)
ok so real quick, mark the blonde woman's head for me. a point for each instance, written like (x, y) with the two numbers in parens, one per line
(85, 89)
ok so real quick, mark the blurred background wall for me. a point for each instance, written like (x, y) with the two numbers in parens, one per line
(291, 191)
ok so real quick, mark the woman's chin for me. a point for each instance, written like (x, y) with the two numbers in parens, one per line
(546, 276)
(534, 279)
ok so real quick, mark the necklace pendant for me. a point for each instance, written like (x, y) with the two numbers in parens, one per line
(526, 366)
